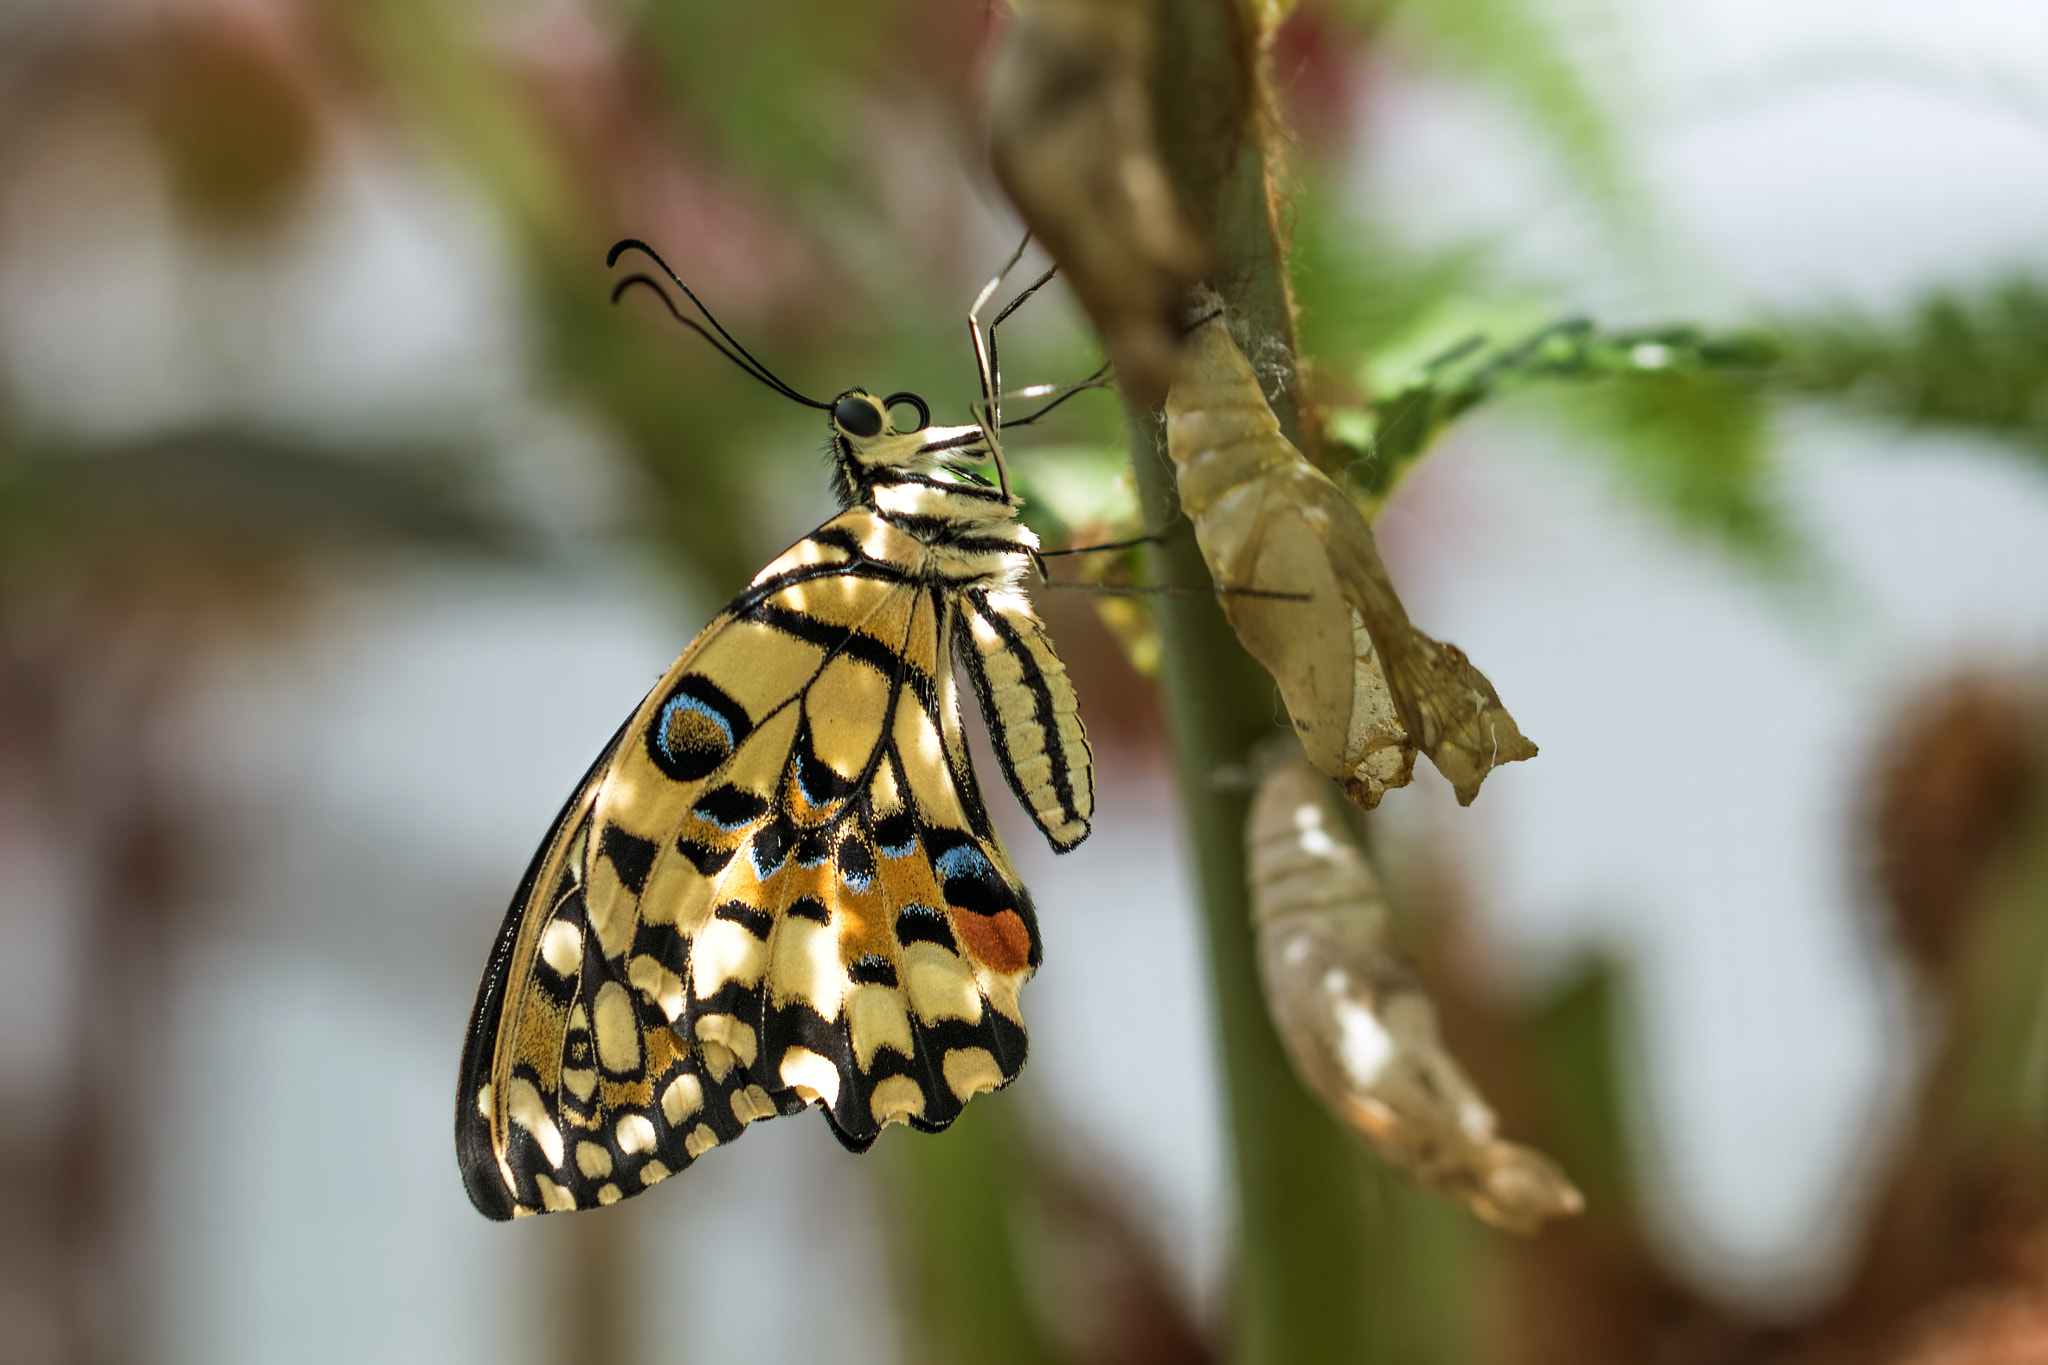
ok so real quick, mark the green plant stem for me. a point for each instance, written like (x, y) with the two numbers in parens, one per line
(1300, 1228)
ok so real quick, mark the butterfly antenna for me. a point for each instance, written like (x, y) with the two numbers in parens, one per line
(654, 288)
(738, 354)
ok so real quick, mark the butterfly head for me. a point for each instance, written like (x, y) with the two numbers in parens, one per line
(887, 440)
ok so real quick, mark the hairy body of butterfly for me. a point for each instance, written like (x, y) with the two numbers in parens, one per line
(778, 885)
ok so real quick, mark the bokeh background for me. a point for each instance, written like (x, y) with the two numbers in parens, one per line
(341, 518)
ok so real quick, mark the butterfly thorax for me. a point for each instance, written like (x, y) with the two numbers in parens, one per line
(921, 482)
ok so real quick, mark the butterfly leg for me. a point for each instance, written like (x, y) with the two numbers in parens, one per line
(1099, 380)
(988, 414)
(1155, 538)
(1038, 558)
(1175, 590)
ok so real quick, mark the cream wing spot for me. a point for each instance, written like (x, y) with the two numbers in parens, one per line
(846, 731)
(635, 1134)
(724, 951)
(554, 1198)
(1000, 990)
(611, 910)
(880, 540)
(803, 554)
(483, 1101)
(757, 767)
(752, 1103)
(896, 1100)
(658, 984)
(810, 1075)
(877, 1017)
(609, 1194)
(806, 965)
(653, 1173)
(1017, 709)
(525, 1107)
(758, 662)
(718, 1061)
(561, 947)
(572, 857)
(940, 985)
(683, 1097)
(700, 1141)
(582, 1082)
(618, 1030)
(928, 768)
(725, 1031)
(883, 793)
(971, 1070)
(593, 1160)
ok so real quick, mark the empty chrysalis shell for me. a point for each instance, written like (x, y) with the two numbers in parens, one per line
(1071, 140)
(1355, 1019)
(1364, 687)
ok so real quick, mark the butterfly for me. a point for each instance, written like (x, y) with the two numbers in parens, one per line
(778, 885)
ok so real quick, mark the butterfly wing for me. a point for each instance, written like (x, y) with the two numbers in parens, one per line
(777, 886)
(1028, 704)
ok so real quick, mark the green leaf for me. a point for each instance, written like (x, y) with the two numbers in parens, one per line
(1361, 293)
(1696, 446)
(1972, 358)
(1680, 411)
(771, 85)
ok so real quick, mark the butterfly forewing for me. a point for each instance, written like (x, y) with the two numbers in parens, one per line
(778, 886)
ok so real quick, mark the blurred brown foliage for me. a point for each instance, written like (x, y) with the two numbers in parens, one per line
(1952, 1264)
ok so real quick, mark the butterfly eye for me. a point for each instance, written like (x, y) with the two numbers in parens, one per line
(857, 415)
(909, 400)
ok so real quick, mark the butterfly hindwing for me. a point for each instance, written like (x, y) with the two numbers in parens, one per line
(1032, 716)
(778, 886)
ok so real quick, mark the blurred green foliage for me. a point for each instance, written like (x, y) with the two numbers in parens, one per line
(962, 1263)
(1973, 359)
(1517, 51)
(227, 517)
(1680, 408)
(1579, 1036)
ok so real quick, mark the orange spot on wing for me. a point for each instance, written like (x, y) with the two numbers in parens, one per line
(864, 924)
(909, 881)
(664, 1050)
(999, 941)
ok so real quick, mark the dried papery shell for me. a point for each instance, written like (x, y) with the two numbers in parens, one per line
(1356, 1022)
(1070, 135)
(1364, 687)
